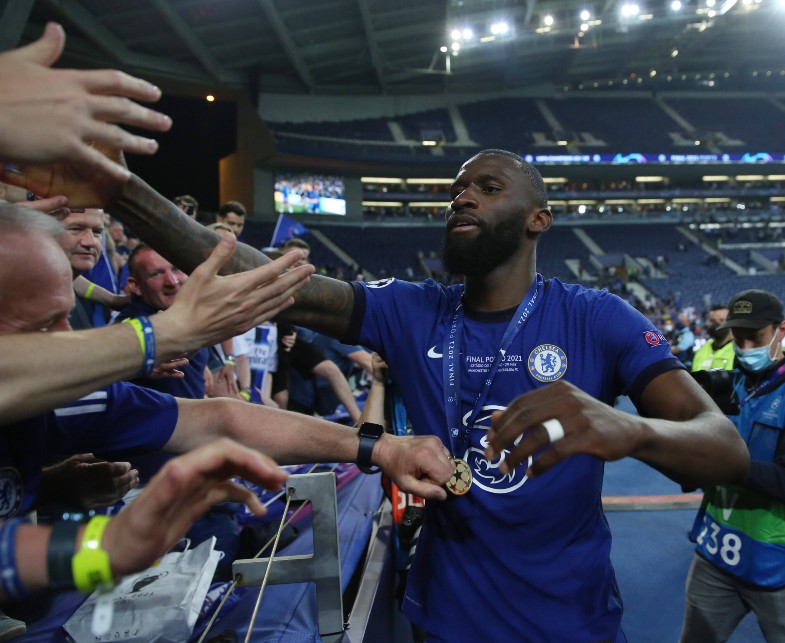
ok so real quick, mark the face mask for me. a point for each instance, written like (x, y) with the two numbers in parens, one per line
(755, 359)
(668, 328)
(717, 335)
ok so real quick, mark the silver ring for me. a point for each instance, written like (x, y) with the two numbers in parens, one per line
(554, 429)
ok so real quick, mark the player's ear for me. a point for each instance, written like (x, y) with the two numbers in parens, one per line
(539, 220)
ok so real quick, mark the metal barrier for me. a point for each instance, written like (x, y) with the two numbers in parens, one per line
(323, 567)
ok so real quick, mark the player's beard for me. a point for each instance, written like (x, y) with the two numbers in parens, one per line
(490, 248)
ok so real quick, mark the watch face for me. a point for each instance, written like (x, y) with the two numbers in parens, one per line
(371, 429)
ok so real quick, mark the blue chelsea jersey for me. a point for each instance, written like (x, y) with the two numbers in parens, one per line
(514, 559)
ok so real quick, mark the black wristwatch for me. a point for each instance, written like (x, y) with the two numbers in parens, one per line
(369, 434)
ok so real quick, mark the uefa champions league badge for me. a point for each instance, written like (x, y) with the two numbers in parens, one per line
(654, 339)
(547, 363)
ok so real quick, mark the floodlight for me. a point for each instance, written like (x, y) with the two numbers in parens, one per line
(630, 9)
(548, 21)
(676, 5)
(585, 15)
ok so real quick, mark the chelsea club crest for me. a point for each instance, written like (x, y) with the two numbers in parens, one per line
(10, 492)
(547, 363)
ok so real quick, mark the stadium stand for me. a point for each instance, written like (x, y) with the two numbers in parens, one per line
(504, 122)
(624, 124)
(730, 124)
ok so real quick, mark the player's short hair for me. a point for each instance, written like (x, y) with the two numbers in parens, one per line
(529, 171)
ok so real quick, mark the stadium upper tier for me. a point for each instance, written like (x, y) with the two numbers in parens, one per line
(621, 125)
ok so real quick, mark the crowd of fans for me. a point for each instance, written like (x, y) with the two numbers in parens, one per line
(64, 394)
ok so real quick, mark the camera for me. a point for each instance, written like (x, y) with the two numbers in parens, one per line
(718, 383)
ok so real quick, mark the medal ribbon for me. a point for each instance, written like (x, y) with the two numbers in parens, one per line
(452, 364)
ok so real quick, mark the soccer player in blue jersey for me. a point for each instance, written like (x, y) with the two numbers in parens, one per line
(516, 374)
(488, 367)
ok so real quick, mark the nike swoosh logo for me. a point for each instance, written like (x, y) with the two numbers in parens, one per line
(432, 353)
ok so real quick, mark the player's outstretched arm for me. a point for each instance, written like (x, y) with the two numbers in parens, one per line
(324, 304)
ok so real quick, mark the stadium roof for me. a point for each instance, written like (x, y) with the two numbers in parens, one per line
(392, 47)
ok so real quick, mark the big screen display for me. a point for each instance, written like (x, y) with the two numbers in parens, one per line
(309, 194)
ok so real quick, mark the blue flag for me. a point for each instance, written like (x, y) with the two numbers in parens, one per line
(285, 229)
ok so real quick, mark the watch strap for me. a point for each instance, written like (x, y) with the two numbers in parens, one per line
(62, 544)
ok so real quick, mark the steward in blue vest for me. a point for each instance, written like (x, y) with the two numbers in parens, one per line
(740, 529)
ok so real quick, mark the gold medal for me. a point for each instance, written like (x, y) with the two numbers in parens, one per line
(461, 480)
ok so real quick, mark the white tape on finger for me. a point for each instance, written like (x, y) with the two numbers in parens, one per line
(554, 429)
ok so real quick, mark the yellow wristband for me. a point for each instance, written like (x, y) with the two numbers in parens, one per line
(146, 336)
(134, 323)
(89, 291)
(90, 564)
